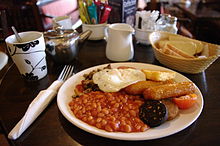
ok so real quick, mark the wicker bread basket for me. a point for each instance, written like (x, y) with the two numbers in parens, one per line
(192, 66)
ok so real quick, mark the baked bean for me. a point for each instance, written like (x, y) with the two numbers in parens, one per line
(116, 105)
(123, 118)
(132, 113)
(125, 109)
(99, 108)
(83, 110)
(122, 122)
(127, 128)
(98, 125)
(105, 111)
(113, 112)
(84, 119)
(144, 128)
(85, 101)
(128, 122)
(113, 102)
(112, 118)
(94, 105)
(94, 113)
(124, 100)
(90, 118)
(111, 98)
(103, 122)
(92, 122)
(100, 115)
(114, 125)
(88, 108)
(137, 120)
(118, 100)
(137, 127)
(108, 128)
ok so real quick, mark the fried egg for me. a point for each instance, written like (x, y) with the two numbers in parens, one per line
(113, 80)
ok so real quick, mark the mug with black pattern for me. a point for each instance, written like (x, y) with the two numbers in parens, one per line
(29, 55)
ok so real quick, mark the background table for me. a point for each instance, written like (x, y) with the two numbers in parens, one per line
(52, 129)
(205, 20)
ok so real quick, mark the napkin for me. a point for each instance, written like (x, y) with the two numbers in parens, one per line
(146, 20)
(35, 108)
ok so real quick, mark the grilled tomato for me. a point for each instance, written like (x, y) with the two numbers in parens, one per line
(186, 101)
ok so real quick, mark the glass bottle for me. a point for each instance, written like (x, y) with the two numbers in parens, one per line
(171, 25)
(162, 21)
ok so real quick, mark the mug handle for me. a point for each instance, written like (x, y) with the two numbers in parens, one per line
(106, 31)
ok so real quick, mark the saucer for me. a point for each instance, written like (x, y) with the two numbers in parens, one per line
(142, 36)
(3, 60)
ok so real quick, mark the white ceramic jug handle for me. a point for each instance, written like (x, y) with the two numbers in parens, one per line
(106, 31)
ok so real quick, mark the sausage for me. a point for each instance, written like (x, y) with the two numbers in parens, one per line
(169, 90)
(139, 87)
(172, 109)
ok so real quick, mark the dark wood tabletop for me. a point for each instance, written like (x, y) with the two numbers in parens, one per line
(52, 129)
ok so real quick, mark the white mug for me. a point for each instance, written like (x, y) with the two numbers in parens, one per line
(119, 42)
(64, 21)
(29, 56)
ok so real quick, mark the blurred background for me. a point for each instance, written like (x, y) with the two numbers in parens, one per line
(199, 19)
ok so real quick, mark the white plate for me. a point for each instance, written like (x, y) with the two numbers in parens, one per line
(3, 60)
(185, 119)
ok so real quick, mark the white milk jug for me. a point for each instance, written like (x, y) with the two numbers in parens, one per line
(119, 42)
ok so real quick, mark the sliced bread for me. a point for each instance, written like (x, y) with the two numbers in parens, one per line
(167, 50)
(199, 45)
(185, 46)
(179, 52)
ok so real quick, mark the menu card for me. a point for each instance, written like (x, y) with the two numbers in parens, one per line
(123, 11)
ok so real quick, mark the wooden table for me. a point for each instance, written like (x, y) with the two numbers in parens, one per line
(204, 18)
(52, 129)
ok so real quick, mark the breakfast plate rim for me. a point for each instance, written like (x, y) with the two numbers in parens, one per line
(3, 60)
(184, 120)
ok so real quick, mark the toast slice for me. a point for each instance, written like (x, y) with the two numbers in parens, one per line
(179, 52)
(158, 75)
(199, 45)
(171, 50)
(168, 51)
(187, 47)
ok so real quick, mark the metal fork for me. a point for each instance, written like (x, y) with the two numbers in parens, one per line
(66, 72)
(40, 103)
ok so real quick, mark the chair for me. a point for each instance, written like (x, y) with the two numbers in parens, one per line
(58, 8)
(3, 25)
(23, 16)
(31, 15)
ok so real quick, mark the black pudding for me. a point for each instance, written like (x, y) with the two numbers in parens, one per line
(153, 113)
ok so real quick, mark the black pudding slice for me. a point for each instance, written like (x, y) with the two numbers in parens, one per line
(153, 113)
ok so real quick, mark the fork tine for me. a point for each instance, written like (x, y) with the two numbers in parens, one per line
(62, 73)
(66, 72)
(70, 72)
